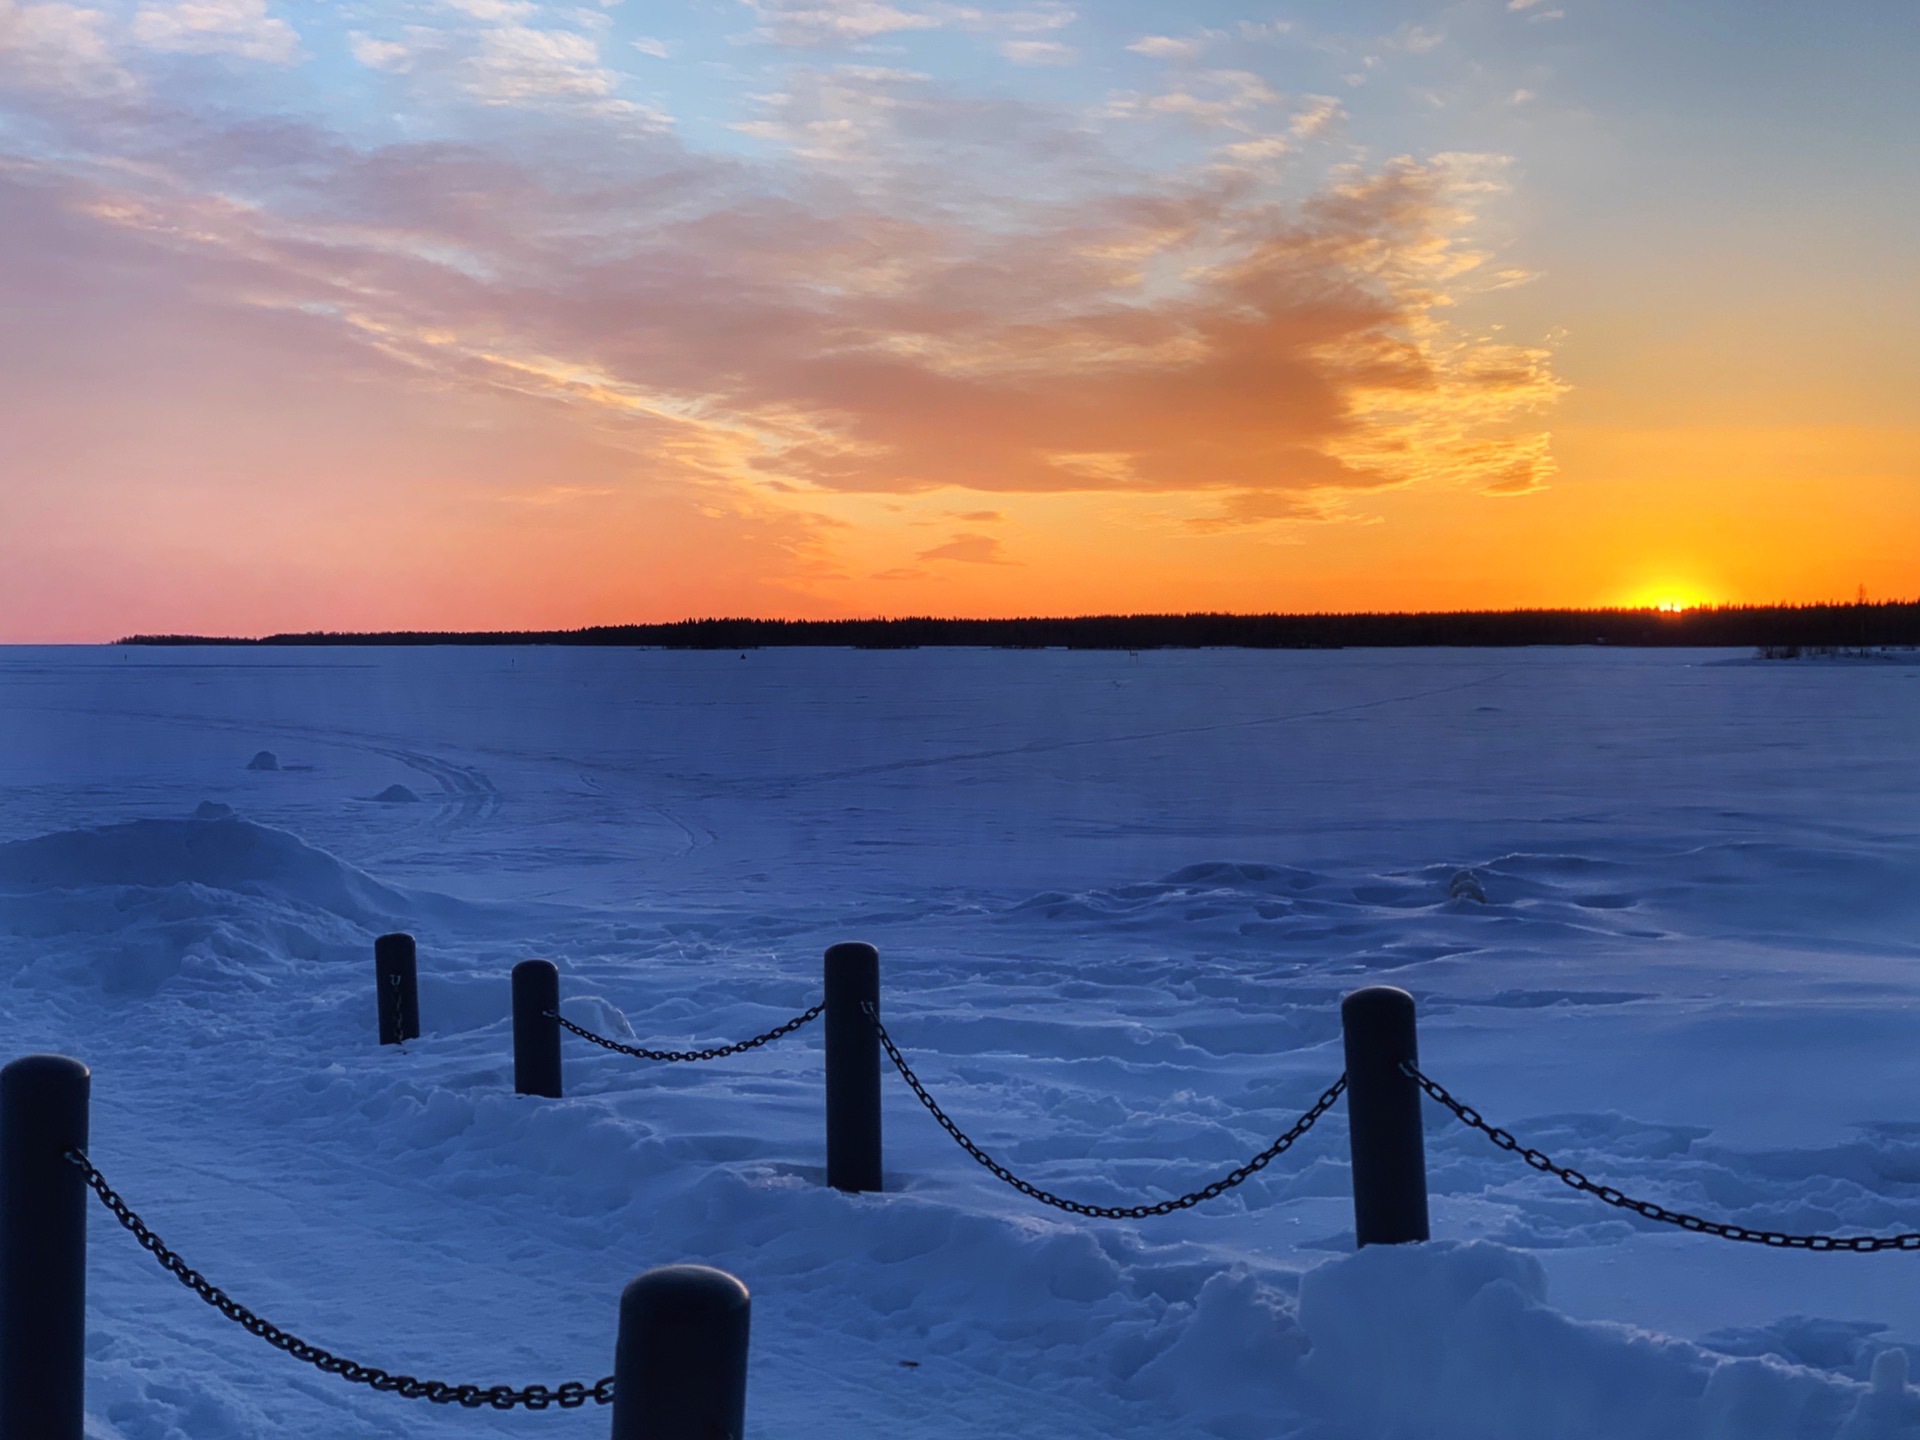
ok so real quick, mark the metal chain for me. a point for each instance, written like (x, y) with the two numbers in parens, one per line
(714, 1054)
(1102, 1212)
(1863, 1244)
(569, 1396)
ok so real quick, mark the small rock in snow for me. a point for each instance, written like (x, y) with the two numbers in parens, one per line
(265, 760)
(397, 795)
(1466, 885)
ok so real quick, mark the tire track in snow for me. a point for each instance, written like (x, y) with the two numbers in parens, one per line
(698, 838)
(472, 798)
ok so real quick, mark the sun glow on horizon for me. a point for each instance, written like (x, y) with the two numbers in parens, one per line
(1667, 592)
(1669, 598)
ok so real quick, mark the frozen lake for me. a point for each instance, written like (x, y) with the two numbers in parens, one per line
(1117, 899)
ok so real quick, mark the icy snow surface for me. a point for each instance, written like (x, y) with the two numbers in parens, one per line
(1661, 911)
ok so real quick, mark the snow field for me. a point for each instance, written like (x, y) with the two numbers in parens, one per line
(1117, 902)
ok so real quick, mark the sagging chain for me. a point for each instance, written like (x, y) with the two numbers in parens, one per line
(1101, 1212)
(640, 1053)
(1863, 1244)
(569, 1396)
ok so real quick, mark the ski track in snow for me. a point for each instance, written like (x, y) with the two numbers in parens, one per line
(1118, 965)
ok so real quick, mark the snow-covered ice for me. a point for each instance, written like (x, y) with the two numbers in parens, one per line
(1661, 911)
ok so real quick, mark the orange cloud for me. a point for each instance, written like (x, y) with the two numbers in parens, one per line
(970, 549)
(926, 294)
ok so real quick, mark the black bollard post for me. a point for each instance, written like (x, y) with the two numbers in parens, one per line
(536, 1028)
(680, 1363)
(396, 977)
(1383, 1117)
(43, 1249)
(853, 1068)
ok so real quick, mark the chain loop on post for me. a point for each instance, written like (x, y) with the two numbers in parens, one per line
(569, 1396)
(1105, 1212)
(640, 1053)
(1566, 1175)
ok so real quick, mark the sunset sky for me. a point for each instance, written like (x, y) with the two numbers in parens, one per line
(360, 314)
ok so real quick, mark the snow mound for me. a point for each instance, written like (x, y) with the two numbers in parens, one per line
(397, 795)
(219, 853)
(598, 1014)
(1465, 885)
(1398, 917)
(264, 760)
(1455, 1341)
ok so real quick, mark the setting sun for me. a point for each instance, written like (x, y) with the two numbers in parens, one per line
(1671, 597)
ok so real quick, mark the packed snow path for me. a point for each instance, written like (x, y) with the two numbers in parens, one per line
(1117, 900)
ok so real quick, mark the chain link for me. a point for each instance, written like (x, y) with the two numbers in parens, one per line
(1862, 1244)
(714, 1054)
(569, 1396)
(1102, 1212)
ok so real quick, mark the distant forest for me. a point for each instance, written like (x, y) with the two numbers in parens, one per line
(1780, 630)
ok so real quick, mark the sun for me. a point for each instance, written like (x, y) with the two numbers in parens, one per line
(1668, 597)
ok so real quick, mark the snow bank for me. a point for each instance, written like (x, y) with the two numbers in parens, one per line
(222, 852)
(1456, 1341)
(132, 907)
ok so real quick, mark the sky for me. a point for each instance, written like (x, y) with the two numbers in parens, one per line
(364, 314)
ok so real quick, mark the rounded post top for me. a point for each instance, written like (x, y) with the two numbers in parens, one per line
(45, 1070)
(535, 967)
(697, 1286)
(854, 965)
(1376, 1002)
(1380, 1030)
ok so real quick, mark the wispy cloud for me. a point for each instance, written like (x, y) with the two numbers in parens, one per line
(1038, 52)
(516, 63)
(1174, 47)
(218, 27)
(380, 54)
(969, 549)
(887, 285)
(809, 23)
(57, 47)
(1226, 98)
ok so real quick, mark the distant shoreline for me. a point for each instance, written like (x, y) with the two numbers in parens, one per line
(1848, 627)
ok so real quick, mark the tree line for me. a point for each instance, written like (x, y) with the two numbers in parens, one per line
(1779, 628)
